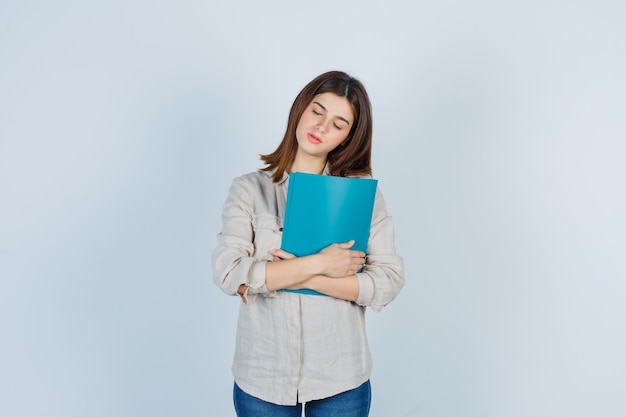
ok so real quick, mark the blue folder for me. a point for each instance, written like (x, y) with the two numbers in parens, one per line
(322, 210)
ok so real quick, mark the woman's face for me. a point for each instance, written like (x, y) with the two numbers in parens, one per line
(324, 125)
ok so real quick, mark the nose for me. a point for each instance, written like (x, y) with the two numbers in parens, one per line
(321, 127)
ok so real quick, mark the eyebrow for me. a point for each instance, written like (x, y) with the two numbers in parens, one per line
(324, 108)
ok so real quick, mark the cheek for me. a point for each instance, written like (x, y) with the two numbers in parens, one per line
(344, 134)
(305, 120)
(339, 138)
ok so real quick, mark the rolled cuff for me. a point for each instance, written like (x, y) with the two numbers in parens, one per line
(366, 289)
(255, 284)
(256, 278)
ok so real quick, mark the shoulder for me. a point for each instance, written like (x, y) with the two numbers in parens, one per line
(359, 176)
(253, 179)
(254, 186)
(246, 190)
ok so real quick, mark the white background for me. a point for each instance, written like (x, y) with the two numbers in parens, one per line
(499, 144)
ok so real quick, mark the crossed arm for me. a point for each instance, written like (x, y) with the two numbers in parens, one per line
(332, 271)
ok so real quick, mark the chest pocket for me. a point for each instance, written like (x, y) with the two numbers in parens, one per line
(267, 235)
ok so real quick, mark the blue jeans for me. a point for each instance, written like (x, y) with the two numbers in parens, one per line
(353, 403)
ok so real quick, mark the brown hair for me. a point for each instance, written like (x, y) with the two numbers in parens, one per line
(353, 158)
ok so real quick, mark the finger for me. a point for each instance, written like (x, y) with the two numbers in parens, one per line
(346, 245)
(358, 261)
(358, 266)
(279, 253)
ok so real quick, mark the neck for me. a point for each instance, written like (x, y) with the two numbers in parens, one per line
(308, 165)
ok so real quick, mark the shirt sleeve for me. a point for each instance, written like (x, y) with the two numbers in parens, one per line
(233, 260)
(382, 278)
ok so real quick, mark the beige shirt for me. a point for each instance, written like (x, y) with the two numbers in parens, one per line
(293, 347)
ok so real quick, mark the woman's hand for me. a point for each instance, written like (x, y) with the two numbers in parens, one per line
(338, 260)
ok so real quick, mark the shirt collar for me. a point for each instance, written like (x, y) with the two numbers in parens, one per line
(286, 174)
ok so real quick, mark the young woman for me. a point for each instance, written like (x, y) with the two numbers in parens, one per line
(293, 348)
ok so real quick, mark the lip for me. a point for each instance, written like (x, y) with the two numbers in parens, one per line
(313, 139)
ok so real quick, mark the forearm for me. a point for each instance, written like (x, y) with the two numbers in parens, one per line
(290, 272)
(346, 288)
